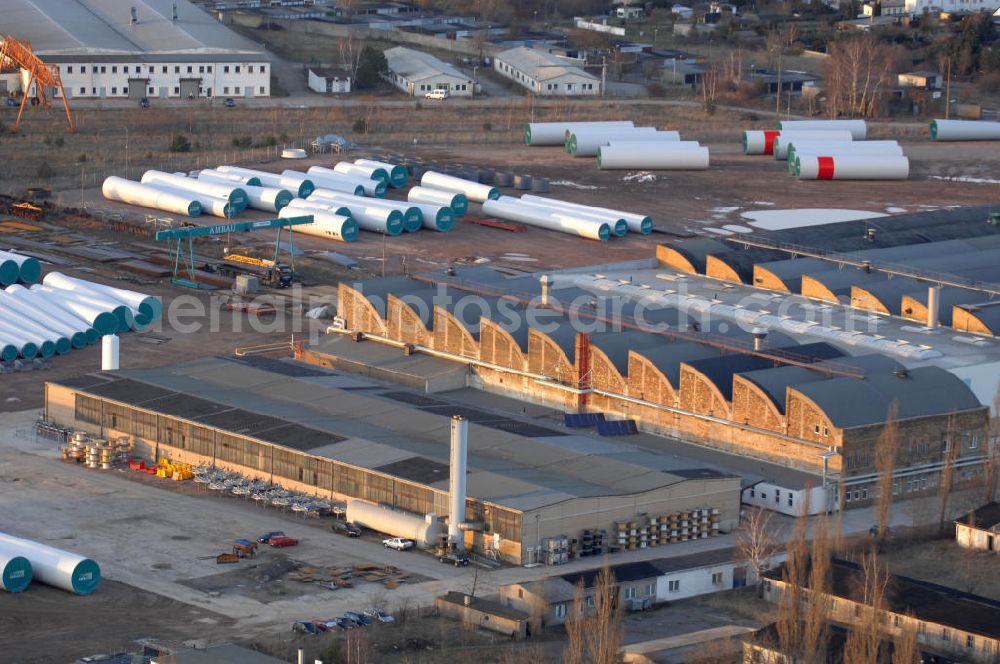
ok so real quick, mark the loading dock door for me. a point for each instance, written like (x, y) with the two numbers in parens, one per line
(137, 88)
(190, 87)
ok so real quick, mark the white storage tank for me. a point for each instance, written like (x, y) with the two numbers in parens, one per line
(427, 531)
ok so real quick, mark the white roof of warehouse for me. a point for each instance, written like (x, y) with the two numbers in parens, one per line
(540, 65)
(102, 27)
(418, 66)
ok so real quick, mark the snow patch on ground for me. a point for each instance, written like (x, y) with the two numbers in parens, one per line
(518, 258)
(572, 185)
(719, 231)
(895, 210)
(724, 210)
(776, 220)
(639, 177)
(736, 228)
(763, 203)
(964, 178)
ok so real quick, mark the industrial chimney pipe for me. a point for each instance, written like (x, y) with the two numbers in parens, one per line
(933, 306)
(459, 453)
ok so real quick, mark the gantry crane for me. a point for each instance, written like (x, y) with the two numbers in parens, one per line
(19, 54)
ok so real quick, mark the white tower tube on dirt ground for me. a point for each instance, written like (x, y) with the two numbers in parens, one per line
(37, 302)
(398, 174)
(29, 270)
(852, 168)
(964, 130)
(554, 133)
(110, 347)
(858, 128)
(150, 305)
(514, 209)
(345, 172)
(135, 193)
(637, 223)
(584, 142)
(325, 224)
(77, 334)
(472, 190)
(219, 177)
(654, 156)
(781, 143)
(370, 217)
(55, 567)
(459, 203)
(230, 192)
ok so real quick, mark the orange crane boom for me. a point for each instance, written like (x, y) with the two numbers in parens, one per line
(18, 53)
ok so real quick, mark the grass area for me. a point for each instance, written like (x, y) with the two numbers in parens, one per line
(945, 563)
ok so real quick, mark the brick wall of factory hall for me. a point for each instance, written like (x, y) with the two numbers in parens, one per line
(403, 324)
(751, 406)
(699, 395)
(648, 383)
(357, 312)
(802, 417)
(966, 321)
(670, 257)
(913, 309)
(764, 278)
(718, 269)
(603, 375)
(497, 346)
(862, 298)
(815, 289)
(451, 336)
(524, 388)
(545, 357)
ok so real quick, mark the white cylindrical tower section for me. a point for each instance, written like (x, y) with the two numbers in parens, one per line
(109, 352)
(456, 485)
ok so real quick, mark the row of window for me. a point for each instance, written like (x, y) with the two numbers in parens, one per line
(137, 69)
(777, 496)
(152, 90)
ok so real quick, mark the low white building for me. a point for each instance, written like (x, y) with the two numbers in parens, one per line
(545, 74)
(326, 80)
(789, 499)
(979, 529)
(917, 7)
(417, 73)
(142, 48)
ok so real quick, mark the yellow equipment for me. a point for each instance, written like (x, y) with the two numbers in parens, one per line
(174, 471)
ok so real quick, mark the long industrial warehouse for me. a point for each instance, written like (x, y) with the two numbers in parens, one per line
(306, 430)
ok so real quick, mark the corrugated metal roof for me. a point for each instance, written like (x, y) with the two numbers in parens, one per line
(91, 27)
(416, 65)
(540, 65)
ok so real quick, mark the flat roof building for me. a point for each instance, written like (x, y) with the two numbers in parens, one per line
(144, 48)
(545, 74)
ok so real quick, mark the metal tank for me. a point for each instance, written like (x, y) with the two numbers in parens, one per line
(425, 530)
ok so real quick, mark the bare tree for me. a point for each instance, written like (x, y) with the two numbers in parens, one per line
(816, 626)
(795, 577)
(857, 72)
(757, 542)
(710, 89)
(349, 50)
(604, 625)
(905, 648)
(949, 454)
(990, 451)
(886, 448)
(576, 646)
(865, 636)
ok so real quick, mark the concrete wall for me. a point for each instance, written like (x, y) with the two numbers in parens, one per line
(969, 537)
(773, 496)
(478, 616)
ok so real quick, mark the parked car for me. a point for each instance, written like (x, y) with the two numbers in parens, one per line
(398, 543)
(454, 558)
(437, 93)
(263, 539)
(346, 622)
(346, 528)
(229, 102)
(380, 615)
(10, 101)
(280, 541)
(305, 627)
(244, 548)
(357, 617)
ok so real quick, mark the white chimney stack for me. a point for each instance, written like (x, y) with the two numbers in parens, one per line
(109, 352)
(459, 454)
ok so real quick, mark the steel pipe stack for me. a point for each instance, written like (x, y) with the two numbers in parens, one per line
(585, 142)
(374, 218)
(267, 199)
(473, 191)
(554, 133)
(213, 175)
(398, 174)
(46, 337)
(781, 143)
(514, 209)
(856, 148)
(458, 203)
(15, 268)
(325, 223)
(30, 344)
(653, 156)
(299, 186)
(144, 195)
(858, 128)
(636, 223)
(331, 180)
(145, 307)
(763, 142)
(964, 130)
(233, 193)
(76, 333)
(413, 216)
(439, 218)
(851, 167)
(124, 318)
(54, 567)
